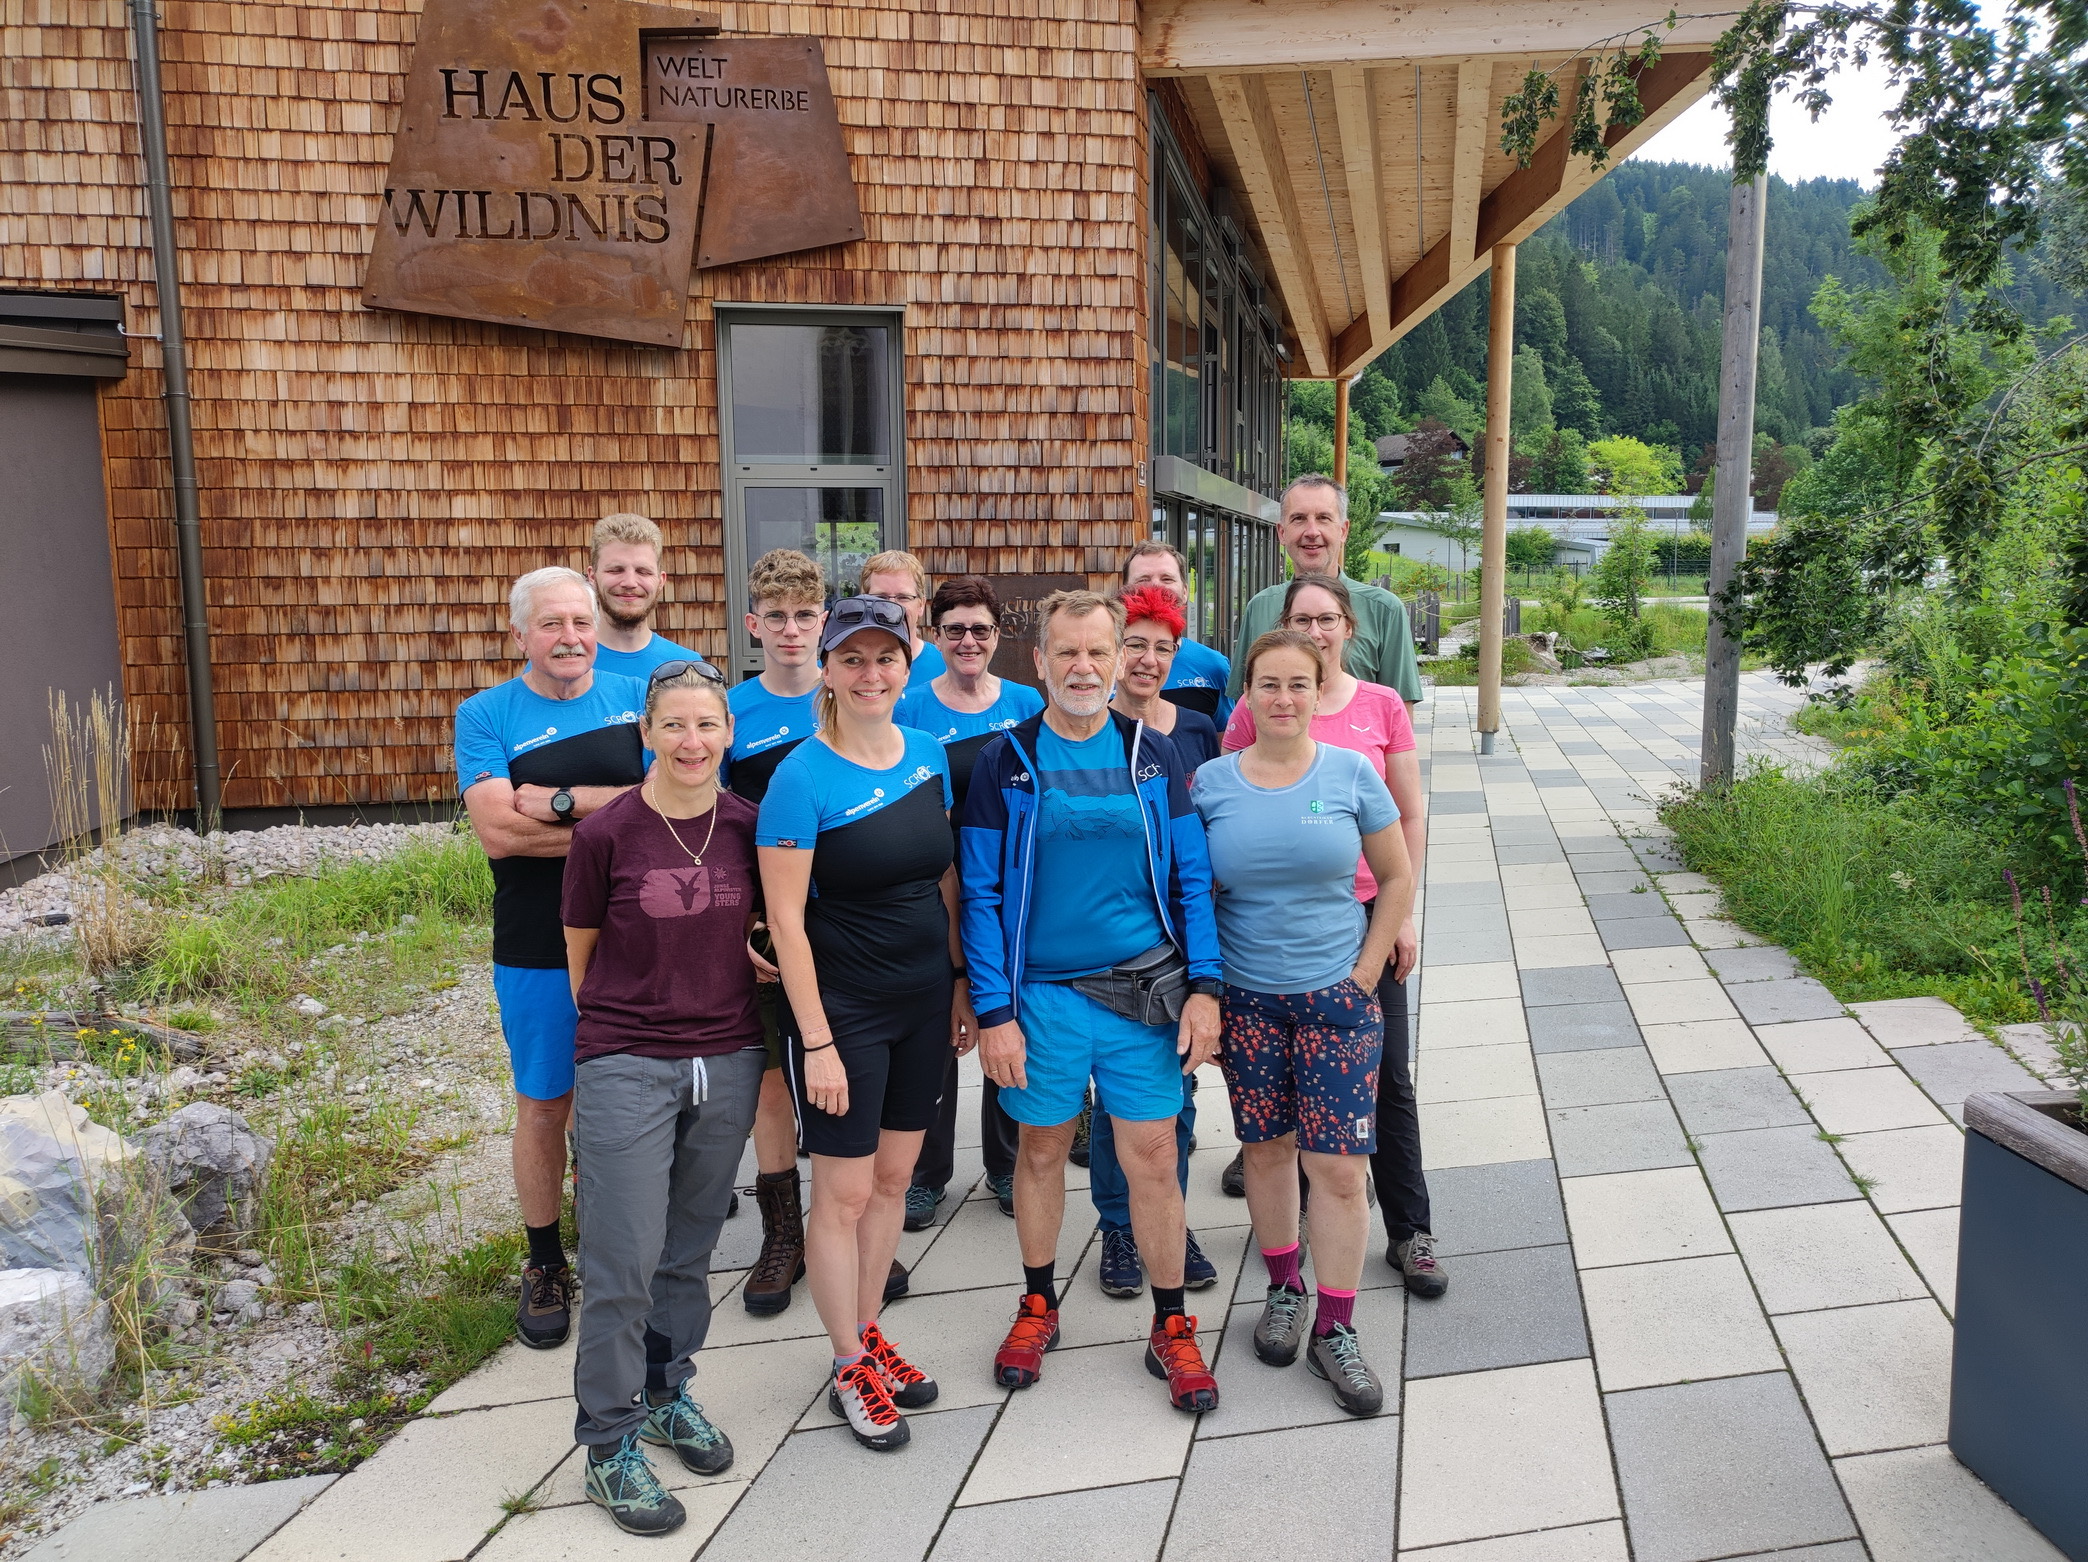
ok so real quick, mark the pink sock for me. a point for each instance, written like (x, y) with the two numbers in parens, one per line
(1334, 1307)
(1283, 1266)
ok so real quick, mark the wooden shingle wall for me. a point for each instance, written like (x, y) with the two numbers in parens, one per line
(372, 482)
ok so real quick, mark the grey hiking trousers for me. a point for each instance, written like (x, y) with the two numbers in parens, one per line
(658, 1141)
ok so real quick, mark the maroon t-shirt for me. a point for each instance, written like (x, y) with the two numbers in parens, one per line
(670, 976)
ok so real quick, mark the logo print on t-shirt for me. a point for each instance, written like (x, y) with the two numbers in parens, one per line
(675, 892)
(1317, 806)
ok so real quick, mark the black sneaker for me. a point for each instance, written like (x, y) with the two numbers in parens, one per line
(545, 1316)
(1198, 1272)
(1082, 1125)
(1232, 1182)
(920, 1207)
(1120, 1270)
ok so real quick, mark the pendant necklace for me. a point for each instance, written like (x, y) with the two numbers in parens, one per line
(695, 857)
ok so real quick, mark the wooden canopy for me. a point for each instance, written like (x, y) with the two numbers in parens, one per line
(1365, 137)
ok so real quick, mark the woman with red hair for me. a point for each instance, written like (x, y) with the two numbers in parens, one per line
(1153, 631)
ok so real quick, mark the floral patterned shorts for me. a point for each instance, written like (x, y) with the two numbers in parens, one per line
(1304, 1061)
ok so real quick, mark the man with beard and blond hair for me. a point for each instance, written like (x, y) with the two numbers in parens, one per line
(623, 565)
(1092, 950)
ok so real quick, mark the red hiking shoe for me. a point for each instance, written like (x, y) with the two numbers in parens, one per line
(1172, 1353)
(1020, 1360)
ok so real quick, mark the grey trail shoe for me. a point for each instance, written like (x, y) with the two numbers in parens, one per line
(1281, 1329)
(1416, 1262)
(680, 1424)
(1337, 1356)
(624, 1483)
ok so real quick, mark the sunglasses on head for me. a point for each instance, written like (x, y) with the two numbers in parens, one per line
(667, 671)
(879, 612)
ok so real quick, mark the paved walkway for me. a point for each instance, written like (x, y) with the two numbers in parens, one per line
(1699, 1220)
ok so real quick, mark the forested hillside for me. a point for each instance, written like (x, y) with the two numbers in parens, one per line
(1617, 320)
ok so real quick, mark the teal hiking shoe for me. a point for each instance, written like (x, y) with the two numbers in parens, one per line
(624, 1483)
(920, 1206)
(1002, 1186)
(680, 1424)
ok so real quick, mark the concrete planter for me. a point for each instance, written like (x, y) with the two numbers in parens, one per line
(2019, 1373)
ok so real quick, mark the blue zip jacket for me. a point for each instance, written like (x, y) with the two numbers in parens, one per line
(996, 851)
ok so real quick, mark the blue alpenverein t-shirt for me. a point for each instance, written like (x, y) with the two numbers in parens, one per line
(927, 667)
(1284, 859)
(511, 733)
(1197, 682)
(765, 727)
(639, 664)
(880, 842)
(962, 733)
(1091, 898)
(1195, 738)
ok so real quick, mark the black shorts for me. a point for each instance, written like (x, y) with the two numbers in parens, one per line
(896, 1048)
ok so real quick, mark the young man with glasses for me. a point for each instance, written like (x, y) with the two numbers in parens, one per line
(623, 566)
(900, 577)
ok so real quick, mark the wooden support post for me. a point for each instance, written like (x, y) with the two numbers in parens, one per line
(1493, 545)
(1341, 432)
(1731, 500)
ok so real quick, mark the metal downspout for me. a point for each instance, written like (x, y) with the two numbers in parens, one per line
(188, 526)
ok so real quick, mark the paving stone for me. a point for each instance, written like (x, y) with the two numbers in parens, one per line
(1256, 1397)
(1821, 1046)
(1921, 1505)
(1657, 856)
(1772, 1168)
(1909, 1168)
(1460, 1433)
(1765, 963)
(1698, 1046)
(1574, 1543)
(516, 1374)
(1914, 1022)
(198, 1526)
(1642, 1217)
(1293, 1492)
(1483, 1022)
(580, 1530)
(1480, 1209)
(1599, 1077)
(1866, 1100)
(1484, 892)
(1638, 967)
(1930, 1237)
(1954, 1070)
(1697, 908)
(1626, 907)
(1716, 933)
(1457, 803)
(1475, 1073)
(1514, 853)
(1544, 897)
(1440, 920)
(1792, 998)
(1504, 1309)
(1472, 983)
(977, 1248)
(1445, 950)
(1643, 933)
(1621, 1137)
(1727, 1100)
(1474, 1133)
(1611, 883)
(1121, 1522)
(1573, 984)
(1874, 1377)
(1572, 949)
(1669, 1003)
(1823, 1255)
(1551, 922)
(1096, 1418)
(1581, 1027)
(1675, 1322)
(1699, 1462)
(1686, 884)
(1607, 857)
(1838, 1551)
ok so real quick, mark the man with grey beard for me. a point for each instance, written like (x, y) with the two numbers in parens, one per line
(1092, 950)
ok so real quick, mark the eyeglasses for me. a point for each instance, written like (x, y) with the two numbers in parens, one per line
(668, 671)
(1326, 623)
(907, 597)
(980, 632)
(804, 618)
(1138, 647)
(878, 612)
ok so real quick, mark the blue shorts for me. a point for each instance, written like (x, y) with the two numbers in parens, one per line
(1070, 1037)
(537, 1019)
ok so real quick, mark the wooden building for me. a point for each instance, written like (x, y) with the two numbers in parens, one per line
(1097, 237)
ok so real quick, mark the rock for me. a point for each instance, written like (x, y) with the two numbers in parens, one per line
(53, 1325)
(311, 1008)
(212, 1162)
(54, 1164)
(234, 1295)
(183, 1080)
(251, 1257)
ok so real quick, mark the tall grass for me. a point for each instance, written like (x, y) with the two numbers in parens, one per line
(1672, 630)
(88, 764)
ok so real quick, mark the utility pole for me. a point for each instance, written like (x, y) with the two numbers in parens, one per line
(1493, 538)
(1731, 499)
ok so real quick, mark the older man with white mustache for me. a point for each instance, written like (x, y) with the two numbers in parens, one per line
(1092, 950)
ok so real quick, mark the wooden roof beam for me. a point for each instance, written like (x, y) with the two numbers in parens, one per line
(1520, 205)
(1195, 37)
(1355, 110)
(1475, 113)
(1250, 128)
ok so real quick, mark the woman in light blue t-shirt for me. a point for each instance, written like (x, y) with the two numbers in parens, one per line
(1286, 819)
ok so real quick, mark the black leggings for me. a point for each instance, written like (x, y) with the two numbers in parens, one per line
(1395, 1166)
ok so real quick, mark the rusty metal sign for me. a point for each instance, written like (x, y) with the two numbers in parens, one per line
(552, 169)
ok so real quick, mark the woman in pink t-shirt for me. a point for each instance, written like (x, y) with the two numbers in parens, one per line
(1373, 720)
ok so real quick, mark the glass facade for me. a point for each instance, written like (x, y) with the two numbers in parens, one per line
(1217, 394)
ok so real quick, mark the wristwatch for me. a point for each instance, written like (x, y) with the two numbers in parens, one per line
(1207, 987)
(562, 805)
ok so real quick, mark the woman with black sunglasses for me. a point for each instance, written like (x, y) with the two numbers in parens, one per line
(857, 865)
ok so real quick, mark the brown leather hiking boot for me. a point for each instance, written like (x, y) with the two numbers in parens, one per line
(782, 1259)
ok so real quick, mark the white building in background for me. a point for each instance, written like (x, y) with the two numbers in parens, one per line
(1580, 522)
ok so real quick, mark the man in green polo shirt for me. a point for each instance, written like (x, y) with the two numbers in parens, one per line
(1314, 532)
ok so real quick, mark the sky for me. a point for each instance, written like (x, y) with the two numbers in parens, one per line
(1849, 142)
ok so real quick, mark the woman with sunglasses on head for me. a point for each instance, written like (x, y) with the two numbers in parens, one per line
(1373, 720)
(660, 892)
(962, 708)
(856, 858)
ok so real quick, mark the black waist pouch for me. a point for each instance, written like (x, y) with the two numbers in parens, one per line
(1149, 988)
